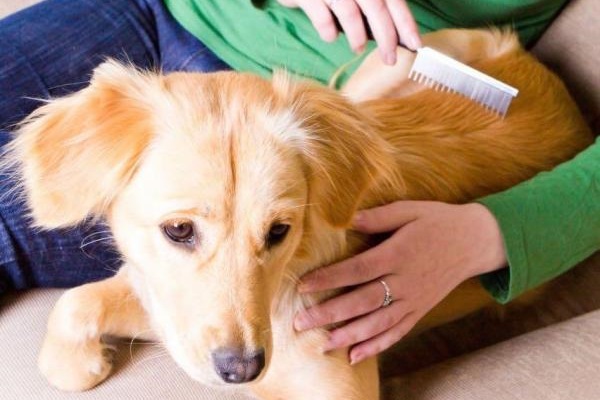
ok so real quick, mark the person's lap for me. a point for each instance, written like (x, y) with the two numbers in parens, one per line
(50, 50)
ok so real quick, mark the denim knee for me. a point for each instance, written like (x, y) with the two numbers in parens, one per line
(50, 49)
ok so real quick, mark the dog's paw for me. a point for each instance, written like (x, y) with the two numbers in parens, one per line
(73, 366)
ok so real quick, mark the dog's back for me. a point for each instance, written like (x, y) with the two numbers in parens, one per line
(448, 148)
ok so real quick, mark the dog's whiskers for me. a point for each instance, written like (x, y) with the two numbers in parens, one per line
(113, 264)
(87, 240)
(157, 356)
(98, 233)
(134, 337)
(112, 270)
(85, 244)
(61, 86)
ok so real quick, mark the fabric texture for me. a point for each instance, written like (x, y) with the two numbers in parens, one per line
(556, 363)
(528, 17)
(262, 36)
(549, 224)
(86, 33)
(571, 48)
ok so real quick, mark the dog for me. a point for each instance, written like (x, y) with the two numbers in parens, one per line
(222, 189)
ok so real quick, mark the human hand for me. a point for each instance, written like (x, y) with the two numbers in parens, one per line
(435, 247)
(390, 21)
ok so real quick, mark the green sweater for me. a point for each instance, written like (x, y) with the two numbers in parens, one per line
(548, 223)
(262, 38)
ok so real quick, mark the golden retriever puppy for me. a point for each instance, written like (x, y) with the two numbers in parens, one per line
(222, 189)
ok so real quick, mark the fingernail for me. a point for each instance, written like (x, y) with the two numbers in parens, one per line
(356, 357)
(358, 218)
(414, 42)
(329, 35)
(390, 58)
(359, 49)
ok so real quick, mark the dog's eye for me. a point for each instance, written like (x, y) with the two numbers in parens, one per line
(276, 234)
(179, 231)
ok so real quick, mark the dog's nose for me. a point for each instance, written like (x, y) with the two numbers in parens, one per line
(235, 366)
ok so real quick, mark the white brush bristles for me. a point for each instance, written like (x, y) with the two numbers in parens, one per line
(441, 72)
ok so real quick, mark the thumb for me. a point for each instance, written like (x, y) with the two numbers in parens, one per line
(388, 217)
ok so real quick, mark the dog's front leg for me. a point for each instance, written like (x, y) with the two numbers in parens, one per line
(73, 356)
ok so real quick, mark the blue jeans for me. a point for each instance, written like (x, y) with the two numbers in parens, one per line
(50, 50)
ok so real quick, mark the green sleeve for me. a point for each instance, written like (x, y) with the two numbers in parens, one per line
(549, 224)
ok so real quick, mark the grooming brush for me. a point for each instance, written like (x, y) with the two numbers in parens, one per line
(444, 73)
(441, 72)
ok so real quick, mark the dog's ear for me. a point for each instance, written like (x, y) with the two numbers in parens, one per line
(342, 148)
(74, 154)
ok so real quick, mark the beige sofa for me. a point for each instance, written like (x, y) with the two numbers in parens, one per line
(549, 350)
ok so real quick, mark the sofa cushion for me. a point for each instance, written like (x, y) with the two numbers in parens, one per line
(558, 362)
(10, 6)
(570, 46)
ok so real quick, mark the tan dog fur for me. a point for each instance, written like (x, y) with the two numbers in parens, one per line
(233, 154)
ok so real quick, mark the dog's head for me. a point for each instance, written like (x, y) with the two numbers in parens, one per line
(220, 189)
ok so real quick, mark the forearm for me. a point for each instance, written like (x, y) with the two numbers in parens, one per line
(548, 224)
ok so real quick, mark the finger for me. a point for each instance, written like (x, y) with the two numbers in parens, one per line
(405, 23)
(321, 18)
(361, 268)
(350, 19)
(367, 327)
(389, 217)
(383, 341)
(355, 303)
(382, 27)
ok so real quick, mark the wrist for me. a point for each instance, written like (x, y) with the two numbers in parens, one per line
(490, 254)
